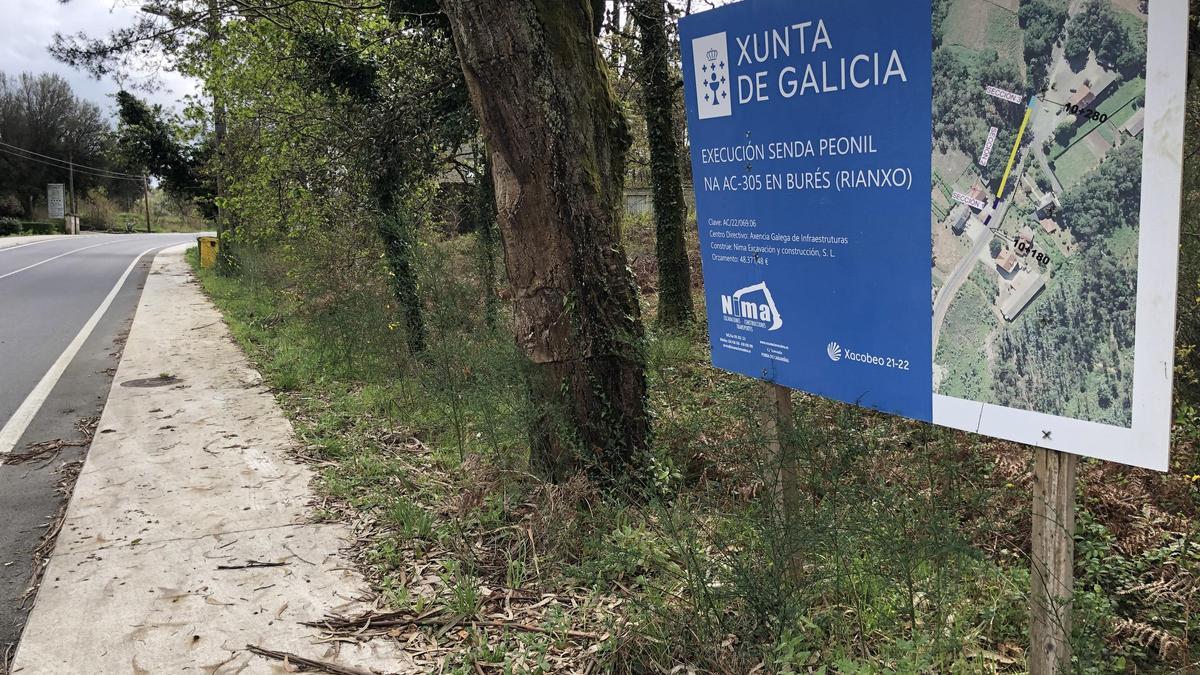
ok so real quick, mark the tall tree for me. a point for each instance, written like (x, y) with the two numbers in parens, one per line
(210, 42)
(557, 140)
(666, 181)
(148, 142)
(187, 35)
(42, 124)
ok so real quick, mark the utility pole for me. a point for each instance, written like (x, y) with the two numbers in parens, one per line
(71, 180)
(146, 195)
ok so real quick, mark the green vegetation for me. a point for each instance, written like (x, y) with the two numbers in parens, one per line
(965, 333)
(1085, 318)
(963, 112)
(1098, 28)
(940, 9)
(1004, 35)
(1074, 164)
(911, 538)
(42, 125)
(1087, 315)
(1109, 199)
(13, 226)
(1042, 21)
(353, 164)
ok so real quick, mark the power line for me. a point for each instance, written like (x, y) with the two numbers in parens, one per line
(71, 163)
(22, 153)
(77, 169)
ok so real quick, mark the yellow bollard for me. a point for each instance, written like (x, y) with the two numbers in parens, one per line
(208, 251)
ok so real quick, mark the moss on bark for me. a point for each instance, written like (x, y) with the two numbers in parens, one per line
(557, 140)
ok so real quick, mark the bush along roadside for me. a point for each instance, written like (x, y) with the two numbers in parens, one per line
(13, 226)
(904, 549)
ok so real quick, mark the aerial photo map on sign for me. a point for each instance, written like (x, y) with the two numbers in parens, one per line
(857, 162)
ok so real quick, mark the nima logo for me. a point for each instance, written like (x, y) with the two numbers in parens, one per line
(743, 308)
(710, 57)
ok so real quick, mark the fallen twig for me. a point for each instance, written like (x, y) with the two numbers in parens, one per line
(394, 620)
(44, 450)
(251, 563)
(68, 473)
(306, 662)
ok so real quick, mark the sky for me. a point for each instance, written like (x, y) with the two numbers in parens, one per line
(27, 28)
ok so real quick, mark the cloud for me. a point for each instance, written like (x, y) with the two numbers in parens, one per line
(27, 28)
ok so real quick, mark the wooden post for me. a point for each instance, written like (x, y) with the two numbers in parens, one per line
(1053, 554)
(779, 464)
(146, 195)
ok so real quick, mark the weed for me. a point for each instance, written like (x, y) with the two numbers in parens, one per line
(465, 598)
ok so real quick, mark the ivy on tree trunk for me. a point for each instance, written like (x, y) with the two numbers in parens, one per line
(666, 181)
(557, 141)
(398, 231)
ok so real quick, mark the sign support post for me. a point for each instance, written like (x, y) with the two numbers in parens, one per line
(1053, 558)
(779, 464)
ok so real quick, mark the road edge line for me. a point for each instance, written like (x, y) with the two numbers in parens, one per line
(14, 428)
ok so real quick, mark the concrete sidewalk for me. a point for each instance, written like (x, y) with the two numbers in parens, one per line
(187, 482)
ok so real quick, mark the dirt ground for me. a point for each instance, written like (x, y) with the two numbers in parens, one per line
(947, 249)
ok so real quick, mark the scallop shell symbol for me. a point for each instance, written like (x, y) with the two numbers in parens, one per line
(834, 350)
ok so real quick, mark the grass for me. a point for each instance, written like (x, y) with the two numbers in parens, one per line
(159, 222)
(1123, 244)
(963, 22)
(1004, 34)
(1120, 117)
(1074, 164)
(972, 24)
(907, 549)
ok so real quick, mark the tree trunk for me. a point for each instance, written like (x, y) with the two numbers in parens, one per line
(485, 232)
(398, 231)
(557, 141)
(224, 248)
(670, 209)
(399, 243)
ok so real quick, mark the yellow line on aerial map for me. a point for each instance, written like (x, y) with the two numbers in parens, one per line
(1013, 157)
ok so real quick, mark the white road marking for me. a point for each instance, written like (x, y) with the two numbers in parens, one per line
(32, 243)
(29, 267)
(12, 431)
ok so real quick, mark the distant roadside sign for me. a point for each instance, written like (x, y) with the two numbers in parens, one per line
(835, 185)
(55, 200)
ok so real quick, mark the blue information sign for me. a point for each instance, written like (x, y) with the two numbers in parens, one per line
(809, 126)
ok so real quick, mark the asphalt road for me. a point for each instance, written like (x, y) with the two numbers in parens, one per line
(64, 312)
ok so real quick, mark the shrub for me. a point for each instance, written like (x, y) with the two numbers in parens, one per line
(10, 207)
(40, 227)
(89, 221)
